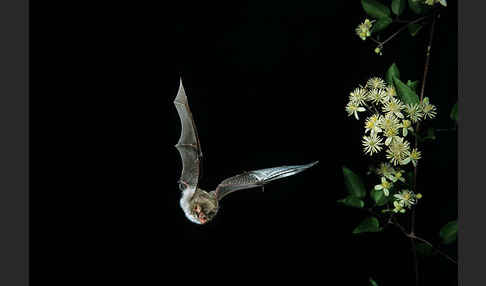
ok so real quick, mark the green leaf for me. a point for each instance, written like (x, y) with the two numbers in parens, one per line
(392, 72)
(381, 24)
(375, 9)
(373, 282)
(398, 6)
(406, 94)
(413, 84)
(369, 224)
(352, 201)
(379, 197)
(454, 112)
(448, 233)
(414, 29)
(353, 183)
(416, 6)
(424, 249)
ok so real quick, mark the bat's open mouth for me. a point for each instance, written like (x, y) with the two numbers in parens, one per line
(201, 217)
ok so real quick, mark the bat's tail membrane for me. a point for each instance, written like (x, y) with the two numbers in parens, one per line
(267, 175)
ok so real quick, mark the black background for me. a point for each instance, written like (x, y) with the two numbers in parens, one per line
(267, 84)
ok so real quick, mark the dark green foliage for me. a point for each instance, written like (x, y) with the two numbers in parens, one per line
(406, 94)
(423, 249)
(379, 197)
(416, 6)
(381, 24)
(353, 183)
(414, 29)
(373, 282)
(398, 6)
(413, 84)
(391, 73)
(369, 224)
(352, 201)
(454, 112)
(448, 233)
(375, 9)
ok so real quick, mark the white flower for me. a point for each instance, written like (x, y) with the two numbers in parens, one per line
(394, 106)
(414, 112)
(406, 126)
(358, 96)
(398, 207)
(413, 157)
(432, 2)
(429, 110)
(372, 124)
(376, 82)
(398, 151)
(405, 198)
(398, 176)
(378, 50)
(390, 126)
(353, 108)
(385, 186)
(363, 29)
(390, 92)
(376, 95)
(372, 144)
(386, 170)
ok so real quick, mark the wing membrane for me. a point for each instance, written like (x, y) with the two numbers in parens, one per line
(257, 178)
(188, 145)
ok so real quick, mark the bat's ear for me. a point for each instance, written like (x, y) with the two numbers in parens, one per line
(182, 186)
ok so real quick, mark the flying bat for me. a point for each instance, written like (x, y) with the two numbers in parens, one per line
(201, 206)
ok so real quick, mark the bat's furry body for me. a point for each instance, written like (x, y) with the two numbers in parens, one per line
(198, 205)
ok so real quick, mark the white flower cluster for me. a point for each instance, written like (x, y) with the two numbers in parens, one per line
(405, 200)
(390, 122)
(364, 29)
(387, 129)
(390, 176)
(432, 2)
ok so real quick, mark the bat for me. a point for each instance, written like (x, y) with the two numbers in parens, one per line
(201, 206)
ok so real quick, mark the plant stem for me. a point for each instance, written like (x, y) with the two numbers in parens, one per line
(399, 31)
(415, 261)
(415, 237)
(422, 91)
(426, 69)
(434, 248)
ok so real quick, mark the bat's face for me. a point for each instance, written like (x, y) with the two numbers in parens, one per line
(203, 206)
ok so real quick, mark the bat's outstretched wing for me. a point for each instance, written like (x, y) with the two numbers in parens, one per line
(188, 145)
(257, 178)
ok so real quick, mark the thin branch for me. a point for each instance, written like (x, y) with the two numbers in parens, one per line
(427, 59)
(415, 261)
(426, 69)
(412, 241)
(434, 248)
(415, 237)
(412, 224)
(376, 41)
(399, 31)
